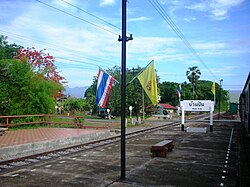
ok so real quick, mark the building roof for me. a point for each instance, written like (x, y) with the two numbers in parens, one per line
(167, 106)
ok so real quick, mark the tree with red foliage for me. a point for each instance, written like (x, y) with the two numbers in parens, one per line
(42, 64)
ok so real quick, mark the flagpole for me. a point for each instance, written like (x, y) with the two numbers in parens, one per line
(143, 107)
(139, 73)
(110, 75)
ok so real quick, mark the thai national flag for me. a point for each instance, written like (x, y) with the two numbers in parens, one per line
(104, 84)
(178, 91)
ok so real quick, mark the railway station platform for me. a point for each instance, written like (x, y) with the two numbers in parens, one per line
(218, 158)
(25, 142)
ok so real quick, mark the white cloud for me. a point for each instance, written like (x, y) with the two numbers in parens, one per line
(210, 46)
(63, 3)
(83, 43)
(203, 6)
(107, 2)
(218, 9)
(150, 44)
(86, 47)
(79, 76)
(189, 19)
(142, 18)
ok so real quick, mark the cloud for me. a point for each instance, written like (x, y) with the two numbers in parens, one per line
(151, 44)
(218, 9)
(189, 19)
(79, 76)
(107, 2)
(66, 39)
(203, 6)
(209, 46)
(79, 48)
(142, 18)
(63, 3)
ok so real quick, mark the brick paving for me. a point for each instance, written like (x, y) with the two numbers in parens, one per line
(24, 136)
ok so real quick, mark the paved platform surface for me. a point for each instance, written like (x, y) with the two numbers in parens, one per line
(198, 159)
(25, 136)
(20, 143)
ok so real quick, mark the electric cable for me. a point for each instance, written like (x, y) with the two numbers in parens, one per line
(108, 23)
(175, 28)
(57, 47)
(65, 12)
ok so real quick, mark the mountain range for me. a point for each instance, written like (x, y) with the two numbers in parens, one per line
(77, 92)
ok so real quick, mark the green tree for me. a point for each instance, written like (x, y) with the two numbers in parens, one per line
(7, 51)
(24, 92)
(168, 93)
(193, 74)
(133, 92)
(186, 93)
(76, 105)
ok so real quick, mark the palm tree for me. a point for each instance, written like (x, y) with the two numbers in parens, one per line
(193, 74)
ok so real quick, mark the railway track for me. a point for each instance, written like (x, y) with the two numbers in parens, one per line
(13, 164)
(98, 163)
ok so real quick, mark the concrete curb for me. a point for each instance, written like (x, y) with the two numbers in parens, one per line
(17, 151)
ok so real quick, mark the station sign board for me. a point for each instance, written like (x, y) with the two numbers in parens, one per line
(197, 105)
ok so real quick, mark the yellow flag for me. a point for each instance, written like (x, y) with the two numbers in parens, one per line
(213, 88)
(148, 81)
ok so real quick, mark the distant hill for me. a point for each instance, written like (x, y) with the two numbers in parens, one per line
(234, 96)
(77, 92)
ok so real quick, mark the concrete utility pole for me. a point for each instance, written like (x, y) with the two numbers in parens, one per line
(123, 39)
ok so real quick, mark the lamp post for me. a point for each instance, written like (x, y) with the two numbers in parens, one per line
(219, 99)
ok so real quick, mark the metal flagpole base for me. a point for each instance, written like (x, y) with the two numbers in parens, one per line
(211, 128)
(182, 127)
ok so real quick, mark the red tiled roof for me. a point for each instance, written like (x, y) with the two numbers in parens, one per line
(167, 106)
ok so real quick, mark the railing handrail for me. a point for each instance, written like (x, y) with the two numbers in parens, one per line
(18, 116)
(49, 122)
(40, 115)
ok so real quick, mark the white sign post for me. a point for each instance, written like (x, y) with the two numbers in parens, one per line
(197, 106)
(130, 111)
(108, 110)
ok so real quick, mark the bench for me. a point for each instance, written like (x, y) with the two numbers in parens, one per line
(2, 131)
(160, 149)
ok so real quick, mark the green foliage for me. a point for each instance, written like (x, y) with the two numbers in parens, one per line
(203, 91)
(193, 74)
(91, 97)
(75, 105)
(24, 92)
(133, 92)
(7, 51)
(167, 91)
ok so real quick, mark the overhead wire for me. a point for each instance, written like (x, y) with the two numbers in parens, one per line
(56, 47)
(79, 61)
(176, 29)
(65, 12)
(108, 23)
(82, 20)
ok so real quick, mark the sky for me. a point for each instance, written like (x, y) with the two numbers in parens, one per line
(83, 35)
